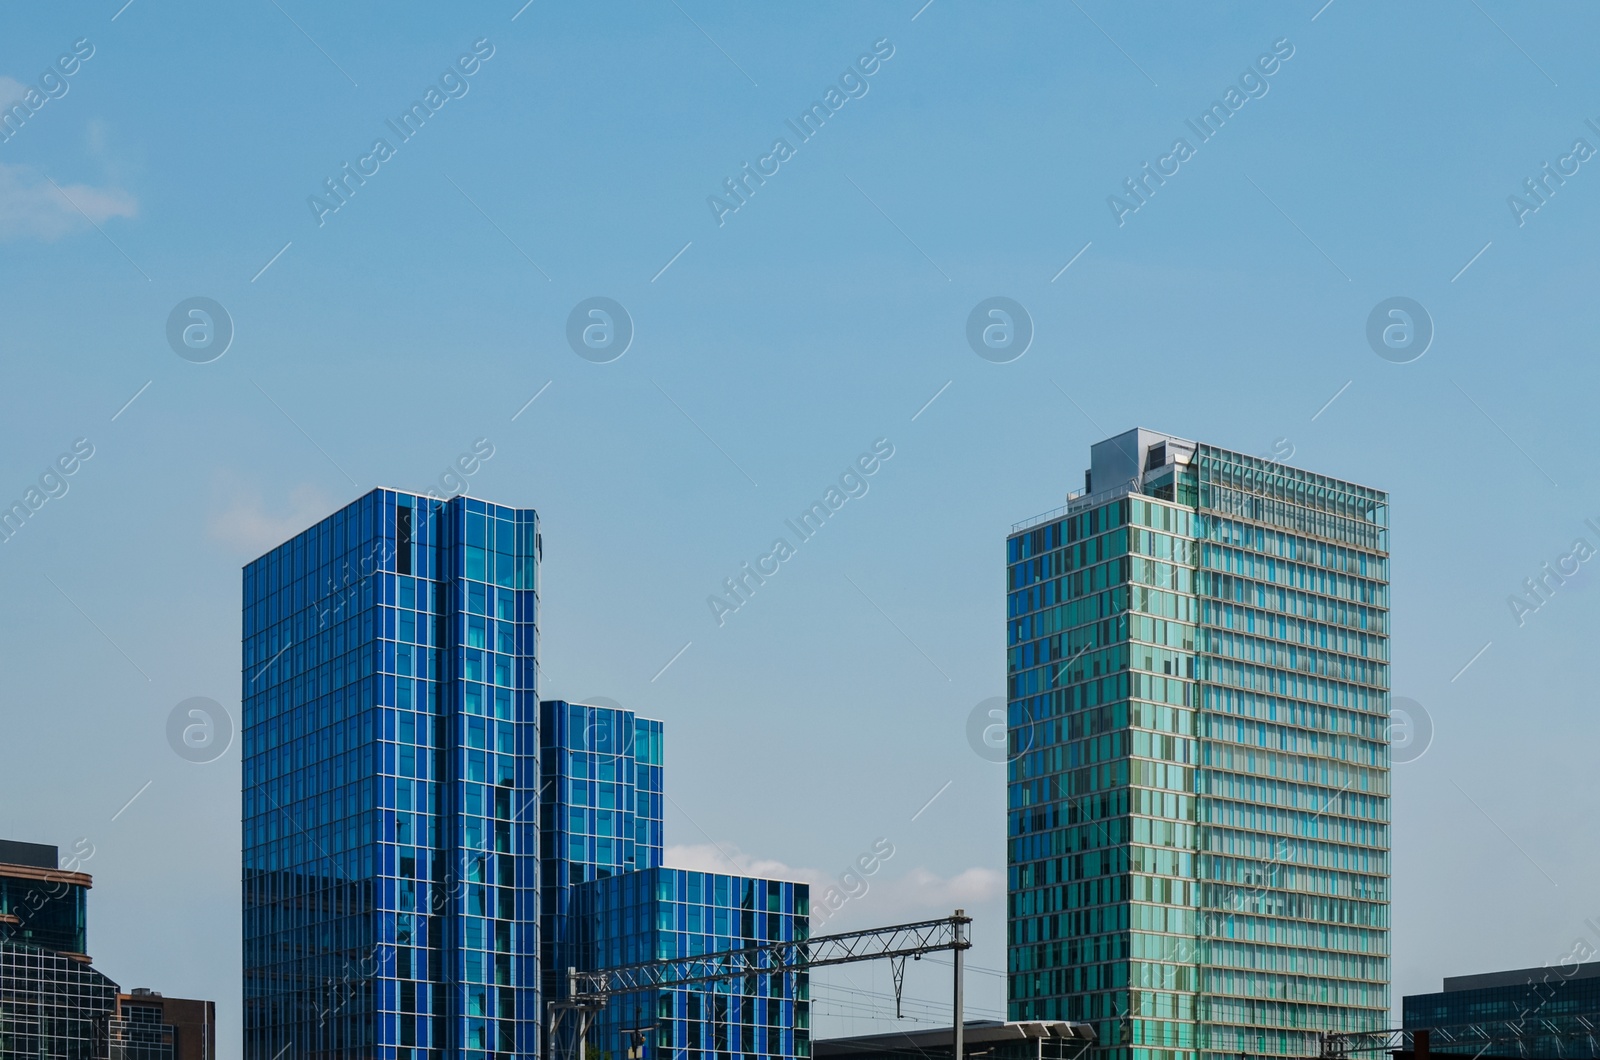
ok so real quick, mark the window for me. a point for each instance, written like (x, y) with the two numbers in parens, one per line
(402, 534)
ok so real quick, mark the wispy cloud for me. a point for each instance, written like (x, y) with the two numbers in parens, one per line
(31, 208)
(914, 892)
(727, 858)
(966, 888)
(248, 524)
(11, 91)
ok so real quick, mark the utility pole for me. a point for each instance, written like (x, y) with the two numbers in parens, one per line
(961, 920)
(583, 1015)
(582, 1006)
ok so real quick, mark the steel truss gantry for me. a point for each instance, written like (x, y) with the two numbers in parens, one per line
(588, 992)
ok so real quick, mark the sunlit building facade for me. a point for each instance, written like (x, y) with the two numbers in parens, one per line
(390, 802)
(1198, 785)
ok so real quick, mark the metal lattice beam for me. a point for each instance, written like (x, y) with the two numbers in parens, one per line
(588, 993)
(897, 941)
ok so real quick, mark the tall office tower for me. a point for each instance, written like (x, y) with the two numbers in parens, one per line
(391, 785)
(609, 902)
(1198, 794)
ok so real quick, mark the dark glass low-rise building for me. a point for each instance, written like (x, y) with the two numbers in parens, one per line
(41, 903)
(1534, 1013)
(52, 1001)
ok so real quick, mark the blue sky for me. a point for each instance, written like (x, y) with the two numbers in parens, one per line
(768, 353)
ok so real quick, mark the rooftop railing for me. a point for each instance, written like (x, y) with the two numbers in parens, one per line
(1081, 502)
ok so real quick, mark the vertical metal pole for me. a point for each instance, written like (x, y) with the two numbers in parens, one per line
(961, 1026)
(582, 1028)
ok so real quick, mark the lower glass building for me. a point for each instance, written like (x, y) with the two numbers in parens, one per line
(609, 902)
(664, 913)
(390, 797)
(52, 1005)
(1555, 1007)
(1198, 785)
(52, 1002)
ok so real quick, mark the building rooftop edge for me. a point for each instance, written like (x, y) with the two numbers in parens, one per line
(44, 875)
(1084, 500)
(1516, 977)
(330, 513)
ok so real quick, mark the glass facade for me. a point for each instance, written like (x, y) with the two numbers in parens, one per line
(1555, 1006)
(140, 1033)
(48, 910)
(390, 802)
(52, 1003)
(608, 902)
(601, 804)
(1198, 836)
(668, 913)
(148, 1026)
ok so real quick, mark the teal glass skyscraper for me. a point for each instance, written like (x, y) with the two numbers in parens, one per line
(1198, 785)
(390, 803)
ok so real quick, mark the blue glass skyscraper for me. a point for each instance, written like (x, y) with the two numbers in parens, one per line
(1198, 797)
(390, 796)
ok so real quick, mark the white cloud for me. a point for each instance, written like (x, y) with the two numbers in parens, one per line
(727, 858)
(30, 206)
(249, 526)
(967, 888)
(97, 138)
(912, 894)
(11, 91)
